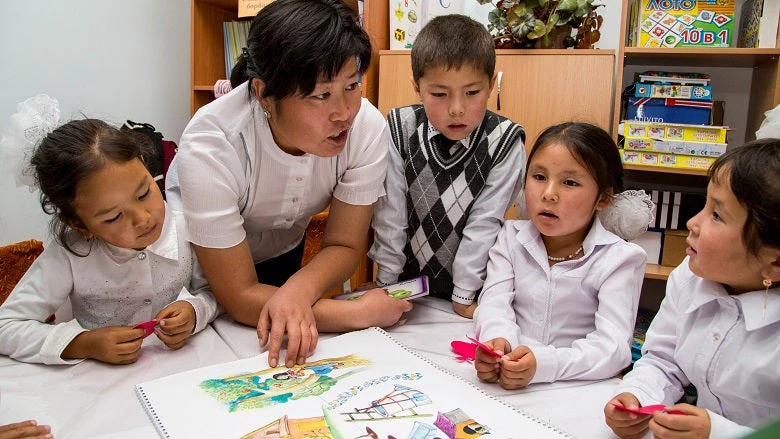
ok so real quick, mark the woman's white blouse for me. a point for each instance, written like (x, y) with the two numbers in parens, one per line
(726, 346)
(577, 316)
(233, 182)
(111, 286)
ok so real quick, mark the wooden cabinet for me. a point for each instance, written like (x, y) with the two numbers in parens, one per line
(207, 58)
(539, 88)
(755, 90)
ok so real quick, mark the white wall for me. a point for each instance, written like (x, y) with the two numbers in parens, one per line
(107, 59)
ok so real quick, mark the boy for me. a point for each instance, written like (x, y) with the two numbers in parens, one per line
(453, 167)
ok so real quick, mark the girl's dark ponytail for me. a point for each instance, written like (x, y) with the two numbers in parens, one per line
(239, 74)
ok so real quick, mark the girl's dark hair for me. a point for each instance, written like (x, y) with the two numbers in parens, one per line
(753, 171)
(591, 146)
(450, 41)
(292, 44)
(72, 152)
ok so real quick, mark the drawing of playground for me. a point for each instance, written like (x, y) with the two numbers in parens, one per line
(279, 385)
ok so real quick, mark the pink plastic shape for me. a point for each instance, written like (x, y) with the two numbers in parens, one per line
(148, 327)
(466, 351)
(647, 410)
(485, 347)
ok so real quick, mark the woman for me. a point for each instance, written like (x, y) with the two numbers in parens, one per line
(293, 137)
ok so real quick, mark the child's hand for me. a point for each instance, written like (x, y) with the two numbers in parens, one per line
(489, 367)
(624, 424)
(25, 429)
(111, 344)
(517, 368)
(466, 311)
(695, 423)
(177, 321)
(379, 309)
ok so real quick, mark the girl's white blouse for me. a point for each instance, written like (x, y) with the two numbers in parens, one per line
(232, 181)
(577, 316)
(725, 345)
(111, 286)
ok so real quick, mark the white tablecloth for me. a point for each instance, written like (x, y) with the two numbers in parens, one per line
(92, 399)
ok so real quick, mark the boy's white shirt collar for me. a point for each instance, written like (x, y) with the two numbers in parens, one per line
(165, 246)
(752, 302)
(432, 132)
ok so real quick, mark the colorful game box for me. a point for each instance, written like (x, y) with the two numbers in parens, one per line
(670, 131)
(648, 158)
(685, 23)
(703, 149)
(405, 290)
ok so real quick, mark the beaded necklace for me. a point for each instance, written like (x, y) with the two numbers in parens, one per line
(565, 258)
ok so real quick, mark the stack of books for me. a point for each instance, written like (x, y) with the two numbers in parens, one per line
(235, 33)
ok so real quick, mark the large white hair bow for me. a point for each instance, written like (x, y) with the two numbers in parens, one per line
(34, 119)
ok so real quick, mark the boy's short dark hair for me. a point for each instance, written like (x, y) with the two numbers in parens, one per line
(450, 41)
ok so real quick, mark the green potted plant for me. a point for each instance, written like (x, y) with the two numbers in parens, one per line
(524, 24)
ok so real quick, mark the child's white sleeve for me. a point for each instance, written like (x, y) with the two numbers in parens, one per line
(495, 314)
(202, 298)
(656, 377)
(722, 428)
(39, 294)
(390, 222)
(483, 224)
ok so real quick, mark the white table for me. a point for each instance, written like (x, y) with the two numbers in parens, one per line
(92, 399)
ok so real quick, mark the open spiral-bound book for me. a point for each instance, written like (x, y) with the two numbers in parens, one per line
(362, 384)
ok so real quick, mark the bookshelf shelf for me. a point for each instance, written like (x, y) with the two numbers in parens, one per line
(705, 57)
(650, 168)
(655, 271)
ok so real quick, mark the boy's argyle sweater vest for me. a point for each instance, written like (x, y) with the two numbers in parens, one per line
(442, 187)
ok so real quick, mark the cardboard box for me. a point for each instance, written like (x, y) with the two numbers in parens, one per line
(674, 91)
(703, 149)
(674, 131)
(648, 158)
(669, 110)
(674, 247)
(651, 242)
(686, 23)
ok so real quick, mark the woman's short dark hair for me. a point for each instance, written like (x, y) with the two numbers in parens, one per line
(753, 173)
(591, 146)
(292, 44)
(72, 152)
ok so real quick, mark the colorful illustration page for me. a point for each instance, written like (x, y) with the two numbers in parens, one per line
(358, 385)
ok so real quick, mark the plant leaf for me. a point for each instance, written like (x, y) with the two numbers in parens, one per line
(539, 30)
(525, 24)
(568, 5)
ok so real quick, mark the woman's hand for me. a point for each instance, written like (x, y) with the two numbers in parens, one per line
(111, 344)
(286, 312)
(489, 367)
(624, 424)
(517, 368)
(695, 423)
(25, 429)
(377, 308)
(177, 321)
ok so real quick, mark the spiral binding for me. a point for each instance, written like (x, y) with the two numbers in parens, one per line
(151, 412)
(522, 413)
